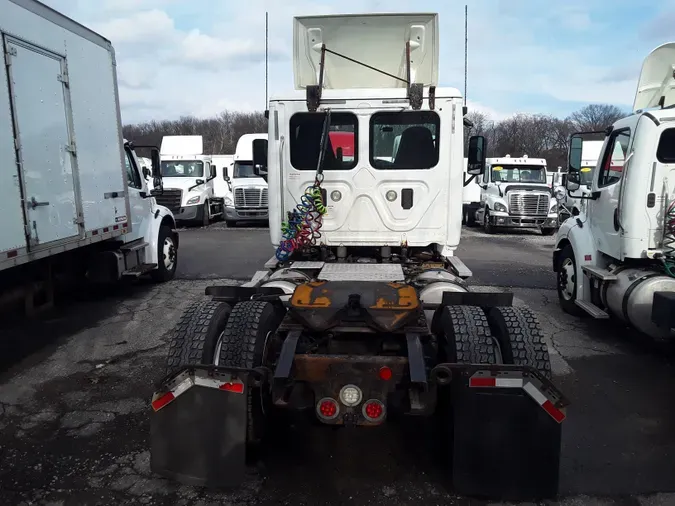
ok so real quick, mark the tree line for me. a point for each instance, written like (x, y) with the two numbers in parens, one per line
(537, 135)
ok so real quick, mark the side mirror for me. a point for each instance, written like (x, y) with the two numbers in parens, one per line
(146, 172)
(213, 172)
(156, 166)
(476, 155)
(260, 157)
(573, 181)
(226, 178)
(574, 157)
(199, 181)
(158, 186)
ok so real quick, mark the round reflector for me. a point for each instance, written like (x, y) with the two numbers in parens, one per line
(385, 373)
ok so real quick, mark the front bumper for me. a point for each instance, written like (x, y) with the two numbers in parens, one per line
(189, 213)
(505, 220)
(251, 214)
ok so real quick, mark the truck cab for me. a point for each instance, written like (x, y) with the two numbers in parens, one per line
(188, 180)
(569, 205)
(515, 193)
(617, 258)
(249, 190)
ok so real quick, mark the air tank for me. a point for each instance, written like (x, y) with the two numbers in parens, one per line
(630, 297)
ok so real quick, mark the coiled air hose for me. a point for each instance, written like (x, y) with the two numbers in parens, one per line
(303, 227)
(669, 240)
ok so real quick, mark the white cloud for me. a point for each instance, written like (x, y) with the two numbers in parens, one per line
(179, 57)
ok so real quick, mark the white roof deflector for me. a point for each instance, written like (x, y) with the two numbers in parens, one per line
(376, 40)
(657, 79)
(182, 145)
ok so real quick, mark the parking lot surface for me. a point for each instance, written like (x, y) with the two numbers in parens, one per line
(74, 411)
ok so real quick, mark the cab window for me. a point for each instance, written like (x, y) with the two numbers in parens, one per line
(133, 177)
(614, 158)
(341, 146)
(665, 153)
(404, 140)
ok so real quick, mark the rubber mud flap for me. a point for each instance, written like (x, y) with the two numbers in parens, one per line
(505, 446)
(199, 438)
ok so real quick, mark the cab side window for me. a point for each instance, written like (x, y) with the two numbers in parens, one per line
(614, 158)
(133, 177)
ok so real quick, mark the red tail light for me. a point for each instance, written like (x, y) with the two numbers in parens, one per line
(327, 408)
(373, 410)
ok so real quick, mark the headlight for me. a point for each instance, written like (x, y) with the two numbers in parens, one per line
(500, 207)
(193, 200)
(554, 208)
(228, 201)
(559, 194)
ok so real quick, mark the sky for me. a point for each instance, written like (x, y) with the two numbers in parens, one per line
(200, 57)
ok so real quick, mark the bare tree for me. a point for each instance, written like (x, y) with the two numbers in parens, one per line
(537, 135)
(595, 117)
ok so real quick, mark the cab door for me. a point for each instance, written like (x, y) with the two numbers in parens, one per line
(604, 209)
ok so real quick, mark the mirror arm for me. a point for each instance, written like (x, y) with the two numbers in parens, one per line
(466, 182)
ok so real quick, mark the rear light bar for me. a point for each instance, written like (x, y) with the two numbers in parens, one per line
(162, 399)
(532, 386)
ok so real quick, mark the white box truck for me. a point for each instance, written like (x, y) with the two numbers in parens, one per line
(72, 189)
(248, 188)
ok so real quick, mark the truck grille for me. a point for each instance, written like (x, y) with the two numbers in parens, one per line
(169, 198)
(250, 197)
(529, 204)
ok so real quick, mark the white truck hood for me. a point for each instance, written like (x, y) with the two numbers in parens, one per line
(248, 182)
(183, 183)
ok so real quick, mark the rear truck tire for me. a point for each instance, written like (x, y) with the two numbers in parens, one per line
(487, 226)
(547, 231)
(195, 339)
(206, 214)
(520, 337)
(251, 324)
(468, 336)
(566, 282)
(502, 445)
(167, 256)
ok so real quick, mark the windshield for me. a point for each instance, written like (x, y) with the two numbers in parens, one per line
(519, 174)
(586, 175)
(243, 169)
(182, 168)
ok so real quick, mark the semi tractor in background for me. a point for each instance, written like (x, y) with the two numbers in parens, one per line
(617, 256)
(470, 196)
(222, 185)
(363, 315)
(249, 190)
(515, 194)
(188, 180)
(75, 203)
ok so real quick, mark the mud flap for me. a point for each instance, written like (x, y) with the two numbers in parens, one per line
(505, 445)
(199, 436)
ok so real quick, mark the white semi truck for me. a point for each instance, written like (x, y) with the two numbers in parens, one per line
(249, 189)
(188, 180)
(515, 193)
(221, 184)
(363, 313)
(617, 256)
(73, 194)
(470, 196)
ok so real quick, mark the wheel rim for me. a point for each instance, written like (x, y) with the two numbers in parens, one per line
(169, 253)
(567, 279)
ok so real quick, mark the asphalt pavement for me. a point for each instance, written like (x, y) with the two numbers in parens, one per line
(74, 411)
(520, 259)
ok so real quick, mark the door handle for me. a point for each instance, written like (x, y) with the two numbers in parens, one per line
(34, 203)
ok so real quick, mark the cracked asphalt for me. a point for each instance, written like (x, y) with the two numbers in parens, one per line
(74, 401)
